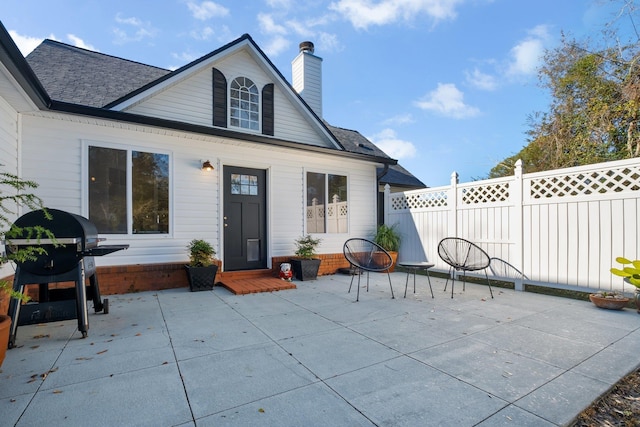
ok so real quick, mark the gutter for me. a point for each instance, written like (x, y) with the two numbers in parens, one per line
(384, 171)
(65, 107)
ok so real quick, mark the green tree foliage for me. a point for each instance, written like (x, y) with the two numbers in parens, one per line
(594, 115)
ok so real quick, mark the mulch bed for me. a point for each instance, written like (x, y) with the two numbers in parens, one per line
(619, 407)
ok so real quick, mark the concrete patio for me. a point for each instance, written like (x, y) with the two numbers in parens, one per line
(312, 356)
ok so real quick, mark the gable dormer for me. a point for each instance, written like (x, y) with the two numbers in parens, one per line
(235, 88)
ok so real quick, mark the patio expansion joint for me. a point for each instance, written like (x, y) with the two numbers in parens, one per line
(175, 356)
(315, 375)
(41, 385)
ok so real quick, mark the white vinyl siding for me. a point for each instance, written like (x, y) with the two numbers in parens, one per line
(56, 141)
(8, 138)
(8, 159)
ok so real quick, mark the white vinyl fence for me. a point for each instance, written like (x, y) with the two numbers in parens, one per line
(561, 228)
(336, 213)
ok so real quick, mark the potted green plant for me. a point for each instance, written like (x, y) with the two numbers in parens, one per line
(305, 265)
(202, 269)
(389, 238)
(631, 275)
(17, 195)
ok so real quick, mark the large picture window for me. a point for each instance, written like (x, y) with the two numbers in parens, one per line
(128, 191)
(327, 203)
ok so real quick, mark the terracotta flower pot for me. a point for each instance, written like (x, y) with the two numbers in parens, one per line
(5, 329)
(608, 303)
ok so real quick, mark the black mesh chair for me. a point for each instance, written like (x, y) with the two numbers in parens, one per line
(462, 255)
(365, 255)
(503, 270)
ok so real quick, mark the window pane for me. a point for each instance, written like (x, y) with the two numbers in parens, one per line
(150, 192)
(108, 190)
(337, 208)
(338, 187)
(244, 99)
(315, 202)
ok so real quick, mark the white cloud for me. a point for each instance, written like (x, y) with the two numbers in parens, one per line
(401, 119)
(207, 10)
(329, 42)
(78, 42)
(527, 55)
(141, 30)
(185, 57)
(448, 101)
(203, 34)
(276, 45)
(480, 80)
(396, 148)
(268, 25)
(363, 13)
(25, 43)
(280, 4)
(299, 28)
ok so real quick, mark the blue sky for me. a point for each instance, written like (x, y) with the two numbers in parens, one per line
(441, 85)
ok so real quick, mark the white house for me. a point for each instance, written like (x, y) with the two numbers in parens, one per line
(123, 144)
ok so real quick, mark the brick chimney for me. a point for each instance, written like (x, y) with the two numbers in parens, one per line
(307, 77)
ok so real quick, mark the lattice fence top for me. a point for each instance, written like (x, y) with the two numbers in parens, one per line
(614, 180)
(400, 201)
(492, 193)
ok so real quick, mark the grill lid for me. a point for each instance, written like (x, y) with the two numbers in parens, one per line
(75, 237)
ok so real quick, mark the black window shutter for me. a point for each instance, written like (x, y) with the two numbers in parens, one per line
(219, 99)
(267, 109)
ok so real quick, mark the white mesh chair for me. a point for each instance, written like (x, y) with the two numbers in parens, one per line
(365, 255)
(462, 255)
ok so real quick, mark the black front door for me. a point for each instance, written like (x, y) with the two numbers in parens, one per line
(245, 234)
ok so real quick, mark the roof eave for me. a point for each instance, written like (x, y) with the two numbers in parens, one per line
(82, 110)
(20, 70)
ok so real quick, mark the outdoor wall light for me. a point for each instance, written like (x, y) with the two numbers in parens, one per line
(207, 166)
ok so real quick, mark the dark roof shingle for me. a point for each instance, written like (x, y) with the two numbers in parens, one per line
(79, 76)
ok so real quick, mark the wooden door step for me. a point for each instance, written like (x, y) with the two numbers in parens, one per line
(244, 274)
(252, 281)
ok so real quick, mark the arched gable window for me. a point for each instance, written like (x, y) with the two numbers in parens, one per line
(244, 100)
(234, 117)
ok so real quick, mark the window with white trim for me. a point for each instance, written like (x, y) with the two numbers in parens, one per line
(128, 191)
(244, 104)
(327, 209)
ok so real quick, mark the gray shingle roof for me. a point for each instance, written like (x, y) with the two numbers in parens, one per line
(353, 141)
(79, 76)
(400, 177)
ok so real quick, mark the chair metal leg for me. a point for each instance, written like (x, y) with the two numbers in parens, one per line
(406, 283)
(428, 278)
(350, 284)
(453, 282)
(389, 275)
(358, 293)
(447, 282)
(367, 281)
(489, 282)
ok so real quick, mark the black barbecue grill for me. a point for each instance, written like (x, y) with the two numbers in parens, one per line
(68, 258)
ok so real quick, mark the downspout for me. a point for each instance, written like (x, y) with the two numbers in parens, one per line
(378, 178)
(383, 173)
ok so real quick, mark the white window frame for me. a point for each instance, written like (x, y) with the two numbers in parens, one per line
(327, 201)
(129, 190)
(259, 104)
